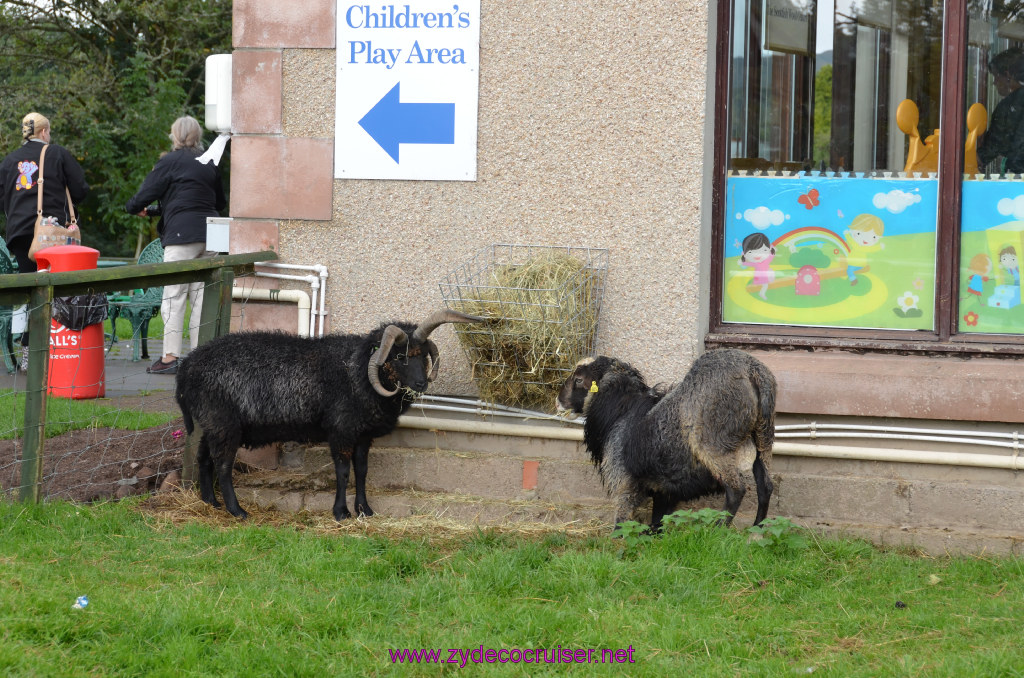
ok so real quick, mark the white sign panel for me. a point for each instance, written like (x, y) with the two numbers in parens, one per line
(407, 88)
(787, 26)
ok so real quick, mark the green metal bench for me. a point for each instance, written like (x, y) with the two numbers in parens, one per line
(139, 306)
(8, 265)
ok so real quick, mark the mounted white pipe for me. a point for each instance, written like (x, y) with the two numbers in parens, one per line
(489, 428)
(294, 296)
(813, 428)
(782, 448)
(1011, 462)
(485, 409)
(311, 280)
(319, 268)
(323, 295)
(321, 272)
(904, 436)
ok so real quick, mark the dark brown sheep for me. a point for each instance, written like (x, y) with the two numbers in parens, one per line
(711, 432)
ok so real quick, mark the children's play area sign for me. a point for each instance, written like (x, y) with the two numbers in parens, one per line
(407, 88)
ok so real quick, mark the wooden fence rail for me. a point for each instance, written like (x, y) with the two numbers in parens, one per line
(38, 291)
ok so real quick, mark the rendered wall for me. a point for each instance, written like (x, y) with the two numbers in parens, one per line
(591, 132)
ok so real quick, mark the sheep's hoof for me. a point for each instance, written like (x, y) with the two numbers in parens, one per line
(364, 510)
(343, 514)
(238, 512)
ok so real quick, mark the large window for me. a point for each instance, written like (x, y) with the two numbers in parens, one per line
(870, 187)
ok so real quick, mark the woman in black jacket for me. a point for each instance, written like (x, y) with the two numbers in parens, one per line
(188, 191)
(1004, 140)
(19, 190)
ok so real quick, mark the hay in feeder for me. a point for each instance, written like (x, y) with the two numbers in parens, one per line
(546, 318)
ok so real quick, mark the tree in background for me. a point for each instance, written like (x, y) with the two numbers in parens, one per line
(823, 115)
(111, 75)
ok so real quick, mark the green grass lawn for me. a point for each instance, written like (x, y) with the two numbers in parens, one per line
(156, 326)
(215, 597)
(124, 328)
(65, 414)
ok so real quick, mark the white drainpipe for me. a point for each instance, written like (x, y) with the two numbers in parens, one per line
(317, 282)
(313, 282)
(294, 296)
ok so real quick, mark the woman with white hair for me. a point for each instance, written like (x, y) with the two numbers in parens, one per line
(20, 186)
(187, 190)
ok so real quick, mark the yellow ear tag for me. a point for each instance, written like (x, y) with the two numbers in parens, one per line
(593, 387)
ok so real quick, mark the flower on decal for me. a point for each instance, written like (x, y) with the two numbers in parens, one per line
(918, 283)
(907, 301)
(971, 319)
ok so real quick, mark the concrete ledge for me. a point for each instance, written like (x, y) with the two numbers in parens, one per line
(935, 507)
(914, 387)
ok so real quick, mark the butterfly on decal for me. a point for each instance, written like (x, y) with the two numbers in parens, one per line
(809, 199)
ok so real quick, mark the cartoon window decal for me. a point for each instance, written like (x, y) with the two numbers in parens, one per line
(991, 242)
(833, 251)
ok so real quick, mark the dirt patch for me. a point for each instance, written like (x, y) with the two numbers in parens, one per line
(99, 463)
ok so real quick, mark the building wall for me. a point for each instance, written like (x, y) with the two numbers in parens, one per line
(591, 133)
(594, 131)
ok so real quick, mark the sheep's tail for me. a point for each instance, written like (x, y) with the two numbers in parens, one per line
(179, 395)
(764, 427)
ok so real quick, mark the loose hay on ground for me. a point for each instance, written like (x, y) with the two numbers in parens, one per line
(182, 507)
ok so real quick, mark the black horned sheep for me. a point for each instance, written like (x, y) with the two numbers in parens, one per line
(254, 388)
(707, 434)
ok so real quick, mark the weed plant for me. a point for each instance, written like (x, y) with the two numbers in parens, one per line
(224, 598)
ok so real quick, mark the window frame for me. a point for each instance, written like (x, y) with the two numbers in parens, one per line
(944, 339)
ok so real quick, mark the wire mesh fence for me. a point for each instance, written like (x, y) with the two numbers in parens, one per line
(111, 428)
(543, 302)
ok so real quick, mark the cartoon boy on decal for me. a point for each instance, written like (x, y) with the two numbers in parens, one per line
(1008, 260)
(865, 237)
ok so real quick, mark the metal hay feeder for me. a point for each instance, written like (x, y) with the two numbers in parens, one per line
(545, 301)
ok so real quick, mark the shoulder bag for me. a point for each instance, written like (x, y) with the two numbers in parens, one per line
(49, 232)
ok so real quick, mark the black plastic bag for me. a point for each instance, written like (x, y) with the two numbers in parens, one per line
(77, 313)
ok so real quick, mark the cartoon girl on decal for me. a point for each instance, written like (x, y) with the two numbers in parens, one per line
(758, 253)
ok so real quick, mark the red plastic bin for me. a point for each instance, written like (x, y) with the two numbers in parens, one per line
(76, 368)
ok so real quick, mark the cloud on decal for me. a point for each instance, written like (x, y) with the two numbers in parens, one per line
(1012, 207)
(763, 217)
(895, 200)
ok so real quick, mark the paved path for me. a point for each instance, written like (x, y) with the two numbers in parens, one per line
(123, 377)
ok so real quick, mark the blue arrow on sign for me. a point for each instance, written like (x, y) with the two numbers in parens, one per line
(391, 123)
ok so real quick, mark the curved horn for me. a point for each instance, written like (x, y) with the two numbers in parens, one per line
(441, 317)
(392, 334)
(432, 352)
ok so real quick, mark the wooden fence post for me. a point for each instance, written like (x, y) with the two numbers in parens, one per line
(39, 289)
(35, 393)
(213, 322)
